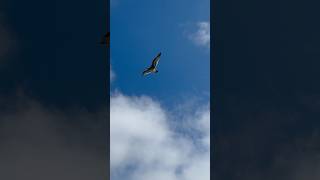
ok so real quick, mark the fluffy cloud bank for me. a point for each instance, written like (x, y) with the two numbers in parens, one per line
(145, 146)
(40, 142)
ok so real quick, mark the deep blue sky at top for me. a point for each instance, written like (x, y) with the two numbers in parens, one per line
(141, 29)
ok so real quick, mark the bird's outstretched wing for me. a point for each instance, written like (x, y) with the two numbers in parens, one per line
(156, 60)
(147, 71)
(153, 66)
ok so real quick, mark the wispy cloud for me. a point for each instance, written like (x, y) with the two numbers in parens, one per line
(201, 36)
(112, 74)
(144, 146)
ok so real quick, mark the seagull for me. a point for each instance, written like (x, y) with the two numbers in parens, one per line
(153, 67)
(106, 39)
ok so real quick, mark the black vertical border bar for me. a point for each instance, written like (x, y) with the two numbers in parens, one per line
(211, 87)
(217, 84)
(215, 95)
(108, 88)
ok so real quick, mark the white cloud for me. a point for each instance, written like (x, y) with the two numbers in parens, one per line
(201, 36)
(144, 146)
(112, 74)
(142, 140)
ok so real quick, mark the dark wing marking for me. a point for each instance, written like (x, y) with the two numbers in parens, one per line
(156, 60)
(147, 71)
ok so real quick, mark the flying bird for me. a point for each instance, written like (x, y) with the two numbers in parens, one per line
(153, 67)
(106, 39)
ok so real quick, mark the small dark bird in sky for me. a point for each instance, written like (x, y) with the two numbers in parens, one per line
(106, 39)
(153, 67)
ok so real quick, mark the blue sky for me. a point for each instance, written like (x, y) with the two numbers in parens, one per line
(160, 123)
(141, 29)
